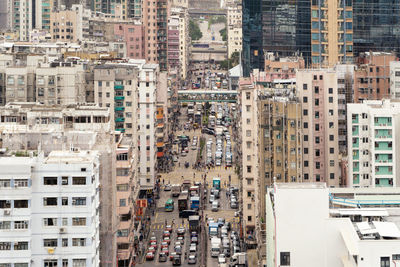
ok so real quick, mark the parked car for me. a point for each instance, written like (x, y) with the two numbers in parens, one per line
(150, 256)
(162, 257)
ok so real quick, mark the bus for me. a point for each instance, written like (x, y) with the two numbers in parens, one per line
(169, 205)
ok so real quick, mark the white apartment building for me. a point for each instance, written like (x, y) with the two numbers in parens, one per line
(234, 27)
(184, 39)
(250, 164)
(49, 210)
(395, 79)
(302, 229)
(373, 134)
(148, 81)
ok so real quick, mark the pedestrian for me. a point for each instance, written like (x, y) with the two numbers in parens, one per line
(165, 221)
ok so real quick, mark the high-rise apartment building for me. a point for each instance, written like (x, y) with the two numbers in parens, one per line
(234, 27)
(115, 87)
(372, 77)
(324, 32)
(331, 32)
(395, 79)
(318, 93)
(373, 131)
(49, 209)
(173, 42)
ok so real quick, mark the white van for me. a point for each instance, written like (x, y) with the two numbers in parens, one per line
(214, 206)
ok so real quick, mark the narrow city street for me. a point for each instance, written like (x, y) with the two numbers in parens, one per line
(192, 166)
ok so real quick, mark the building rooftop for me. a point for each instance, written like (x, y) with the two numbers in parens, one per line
(72, 157)
(300, 185)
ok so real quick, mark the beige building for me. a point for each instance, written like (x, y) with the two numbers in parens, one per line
(61, 83)
(63, 26)
(331, 33)
(234, 27)
(184, 39)
(318, 93)
(271, 143)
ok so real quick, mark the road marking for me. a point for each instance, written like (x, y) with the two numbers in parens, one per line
(156, 216)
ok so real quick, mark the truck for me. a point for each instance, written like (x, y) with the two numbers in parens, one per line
(194, 190)
(175, 190)
(217, 183)
(194, 203)
(238, 260)
(194, 223)
(197, 117)
(215, 246)
(186, 185)
(213, 229)
(183, 202)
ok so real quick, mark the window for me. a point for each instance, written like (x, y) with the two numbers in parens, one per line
(249, 218)
(5, 183)
(21, 225)
(20, 264)
(305, 100)
(20, 245)
(248, 96)
(317, 165)
(317, 139)
(248, 169)
(50, 263)
(21, 183)
(50, 180)
(306, 163)
(78, 242)
(5, 225)
(305, 112)
(305, 138)
(122, 172)
(78, 180)
(64, 180)
(64, 201)
(50, 201)
(64, 242)
(316, 89)
(50, 242)
(396, 257)
(5, 245)
(64, 221)
(385, 262)
(122, 202)
(79, 221)
(122, 157)
(332, 163)
(331, 150)
(306, 176)
(50, 221)
(330, 99)
(330, 90)
(79, 201)
(122, 187)
(316, 102)
(285, 258)
(317, 127)
(21, 204)
(122, 233)
(317, 153)
(331, 137)
(5, 204)
(249, 206)
(304, 86)
(305, 125)
(306, 150)
(332, 175)
(79, 263)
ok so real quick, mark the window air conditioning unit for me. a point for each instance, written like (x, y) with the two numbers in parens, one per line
(63, 230)
(7, 212)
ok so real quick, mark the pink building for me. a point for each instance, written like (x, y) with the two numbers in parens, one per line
(173, 43)
(133, 35)
(318, 93)
(124, 189)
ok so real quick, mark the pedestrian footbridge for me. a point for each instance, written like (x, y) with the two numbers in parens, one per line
(207, 96)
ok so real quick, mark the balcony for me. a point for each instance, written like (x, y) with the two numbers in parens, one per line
(118, 87)
(121, 119)
(119, 98)
(119, 108)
